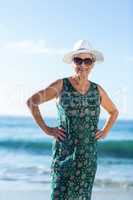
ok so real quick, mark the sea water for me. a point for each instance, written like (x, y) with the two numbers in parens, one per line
(26, 154)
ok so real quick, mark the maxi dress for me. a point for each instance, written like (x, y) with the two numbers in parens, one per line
(74, 159)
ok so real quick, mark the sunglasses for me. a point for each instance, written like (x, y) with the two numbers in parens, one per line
(87, 61)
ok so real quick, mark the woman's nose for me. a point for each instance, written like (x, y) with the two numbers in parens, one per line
(82, 65)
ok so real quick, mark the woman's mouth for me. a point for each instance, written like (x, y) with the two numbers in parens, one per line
(81, 69)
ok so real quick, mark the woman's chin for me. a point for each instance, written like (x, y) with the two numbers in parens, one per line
(82, 72)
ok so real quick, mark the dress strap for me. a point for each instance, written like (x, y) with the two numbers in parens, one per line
(65, 83)
(95, 86)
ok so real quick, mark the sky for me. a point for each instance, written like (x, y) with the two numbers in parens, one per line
(34, 35)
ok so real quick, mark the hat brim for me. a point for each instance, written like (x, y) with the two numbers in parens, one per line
(99, 58)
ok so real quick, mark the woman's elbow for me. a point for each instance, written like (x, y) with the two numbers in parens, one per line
(30, 102)
(115, 112)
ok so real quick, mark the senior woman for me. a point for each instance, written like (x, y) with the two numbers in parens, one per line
(74, 150)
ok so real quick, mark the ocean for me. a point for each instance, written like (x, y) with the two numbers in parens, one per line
(26, 154)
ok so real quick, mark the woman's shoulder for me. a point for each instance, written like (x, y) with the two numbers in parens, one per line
(61, 80)
(96, 84)
(60, 83)
(100, 89)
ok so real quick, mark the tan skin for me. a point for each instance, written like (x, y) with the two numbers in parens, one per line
(80, 81)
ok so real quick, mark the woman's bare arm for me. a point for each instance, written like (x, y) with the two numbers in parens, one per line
(50, 92)
(110, 107)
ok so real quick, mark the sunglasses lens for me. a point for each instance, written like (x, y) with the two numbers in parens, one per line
(77, 60)
(88, 61)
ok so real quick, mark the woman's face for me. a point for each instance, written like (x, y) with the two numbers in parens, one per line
(83, 68)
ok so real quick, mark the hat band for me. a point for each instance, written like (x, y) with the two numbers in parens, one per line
(82, 49)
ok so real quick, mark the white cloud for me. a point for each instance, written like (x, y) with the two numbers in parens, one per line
(31, 47)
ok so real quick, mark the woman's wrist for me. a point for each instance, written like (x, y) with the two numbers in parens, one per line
(104, 131)
(46, 128)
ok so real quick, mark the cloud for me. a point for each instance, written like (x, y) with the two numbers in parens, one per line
(31, 47)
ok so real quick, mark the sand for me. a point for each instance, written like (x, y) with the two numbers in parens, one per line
(20, 191)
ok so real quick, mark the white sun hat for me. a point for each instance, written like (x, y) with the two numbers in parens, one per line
(83, 46)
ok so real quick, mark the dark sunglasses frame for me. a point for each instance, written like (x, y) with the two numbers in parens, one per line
(87, 61)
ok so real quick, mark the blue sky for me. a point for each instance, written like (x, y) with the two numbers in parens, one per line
(34, 35)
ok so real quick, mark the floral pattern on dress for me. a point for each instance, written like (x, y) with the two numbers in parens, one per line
(74, 161)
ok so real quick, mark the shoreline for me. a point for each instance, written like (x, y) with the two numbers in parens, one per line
(41, 195)
(14, 190)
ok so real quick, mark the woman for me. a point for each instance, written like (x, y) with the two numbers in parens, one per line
(74, 163)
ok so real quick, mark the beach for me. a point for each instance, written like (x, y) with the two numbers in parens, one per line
(41, 195)
(15, 191)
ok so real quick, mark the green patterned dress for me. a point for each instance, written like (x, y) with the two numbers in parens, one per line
(74, 159)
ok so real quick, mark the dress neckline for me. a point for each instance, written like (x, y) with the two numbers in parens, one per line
(83, 94)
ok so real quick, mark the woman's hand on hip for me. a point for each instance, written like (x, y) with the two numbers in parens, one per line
(58, 133)
(100, 134)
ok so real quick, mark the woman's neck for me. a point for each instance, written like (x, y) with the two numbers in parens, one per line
(81, 80)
